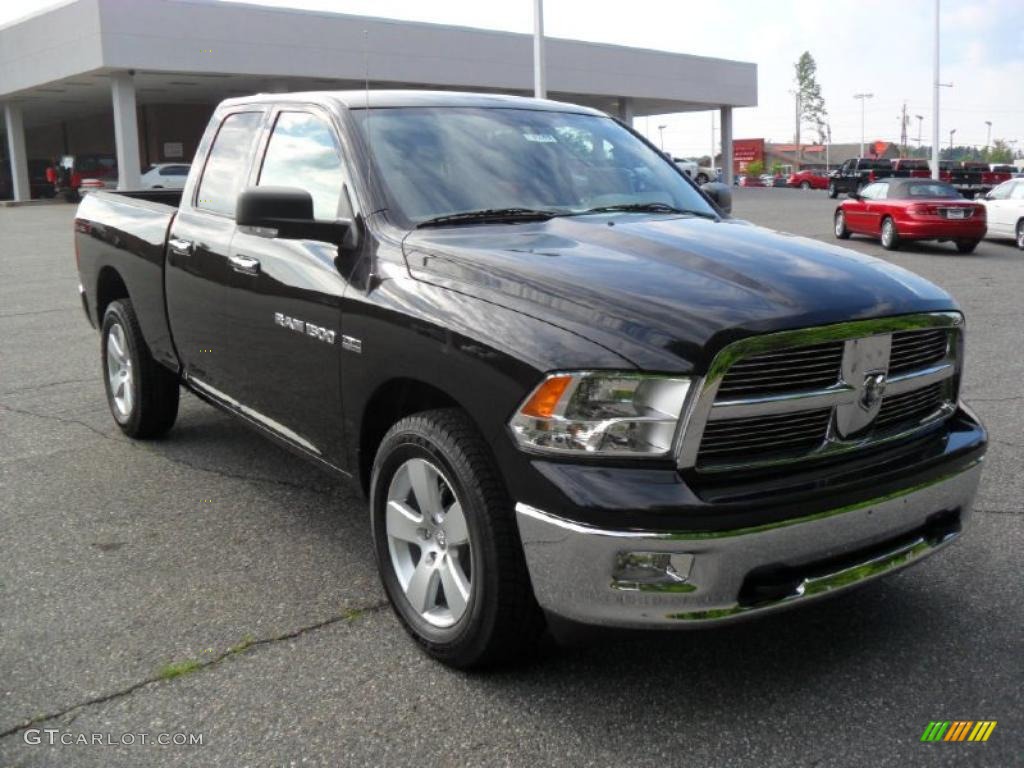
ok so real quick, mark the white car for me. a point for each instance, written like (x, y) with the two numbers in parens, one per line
(1004, 207)
(165, 176)
(699, 173)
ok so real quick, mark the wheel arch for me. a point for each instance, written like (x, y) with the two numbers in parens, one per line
(110, 286)
(390, 402)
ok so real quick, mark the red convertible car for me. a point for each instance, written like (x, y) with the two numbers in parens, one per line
(895, 210)
(807, 180)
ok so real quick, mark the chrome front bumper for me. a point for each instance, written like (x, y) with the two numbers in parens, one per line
(578, 571)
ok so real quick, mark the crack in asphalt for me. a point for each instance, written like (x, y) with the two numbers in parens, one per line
(35, 312)
(1001, 511)
(322, 491)
(35, 387)
(349, 615)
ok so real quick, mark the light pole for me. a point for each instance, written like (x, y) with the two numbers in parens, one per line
(935, 97)
(951, 132)
(920, 122)
(712, 142)
(661, 136)
(862, 97)
(828, 145)
(988, 140)
(539, 85)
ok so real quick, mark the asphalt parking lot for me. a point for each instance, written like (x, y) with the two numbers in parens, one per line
(212, 584)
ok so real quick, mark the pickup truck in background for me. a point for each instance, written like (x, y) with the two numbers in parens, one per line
(970, 178)
(908, 167)
(571, 387)
(855, 173)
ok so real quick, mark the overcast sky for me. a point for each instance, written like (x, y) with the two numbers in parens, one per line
(878, 46)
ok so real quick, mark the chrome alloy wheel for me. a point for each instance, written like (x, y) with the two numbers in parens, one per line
(1020, 235)
(119, 373)
(429, 542)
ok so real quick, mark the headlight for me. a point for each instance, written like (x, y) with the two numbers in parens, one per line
(602, 414)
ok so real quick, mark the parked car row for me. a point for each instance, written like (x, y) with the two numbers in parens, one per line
(896, 210)
(969, 178)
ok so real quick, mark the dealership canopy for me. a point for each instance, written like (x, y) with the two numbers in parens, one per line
(139, 79)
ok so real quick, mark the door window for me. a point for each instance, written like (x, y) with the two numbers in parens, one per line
(1018, 191)
(304, 153)
(227, 163)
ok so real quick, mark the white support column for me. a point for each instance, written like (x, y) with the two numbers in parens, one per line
(126, 130)
(15, 126)
(726, 121)
(626, 110)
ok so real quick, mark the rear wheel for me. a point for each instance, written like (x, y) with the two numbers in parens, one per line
(966, 246)
(890, 239)
(805, 185)
(833, 190)
(447, 544)
(702, 178)
(1020, 234)
(142, 394)
(840, 226)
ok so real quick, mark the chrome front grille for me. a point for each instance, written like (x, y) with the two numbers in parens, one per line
(910, 408)
(799, 395)
(809, 367)
(917, 349)
(734, 439)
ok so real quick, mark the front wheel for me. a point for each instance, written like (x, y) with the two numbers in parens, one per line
(142, 394)
(840, 226)
(702, 178)
(805, 185)
(967, 246)
(447, 544)
(1020, 234)
(833, 190)
(890, 238)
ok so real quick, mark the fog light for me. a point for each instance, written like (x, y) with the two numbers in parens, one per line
(652, 572)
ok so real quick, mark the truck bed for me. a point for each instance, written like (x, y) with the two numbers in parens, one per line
(126, 233)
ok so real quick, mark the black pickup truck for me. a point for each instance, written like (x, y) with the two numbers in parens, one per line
(573, 389)
(857, 172)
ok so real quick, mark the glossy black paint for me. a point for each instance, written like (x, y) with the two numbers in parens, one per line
(475, 316)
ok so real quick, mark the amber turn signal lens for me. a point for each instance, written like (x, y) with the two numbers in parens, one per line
(546, 397)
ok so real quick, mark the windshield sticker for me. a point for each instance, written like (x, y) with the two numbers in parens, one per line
(543, 138)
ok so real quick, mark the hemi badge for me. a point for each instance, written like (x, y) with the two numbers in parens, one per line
(352, 344)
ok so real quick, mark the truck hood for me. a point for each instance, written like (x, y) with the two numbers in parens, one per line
(666, 293)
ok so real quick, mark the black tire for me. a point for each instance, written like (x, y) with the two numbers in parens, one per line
(805, 185)
(501, 621)
(702, 178)
(155, 391)
(833, 190)
(889, 236)
(1020, 234)
(839, 228)
(967, 246)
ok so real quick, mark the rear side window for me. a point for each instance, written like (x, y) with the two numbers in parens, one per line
(227, 163)
(303, 153)
(174, 170)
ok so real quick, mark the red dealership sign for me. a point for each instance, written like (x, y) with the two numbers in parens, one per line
(745, 151)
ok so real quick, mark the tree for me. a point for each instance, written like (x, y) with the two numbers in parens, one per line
(812, 104)
(755, 168)
(999, 153)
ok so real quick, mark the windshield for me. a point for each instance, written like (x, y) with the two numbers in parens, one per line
(442, 161)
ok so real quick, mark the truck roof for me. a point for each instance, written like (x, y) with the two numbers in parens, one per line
(383, 98)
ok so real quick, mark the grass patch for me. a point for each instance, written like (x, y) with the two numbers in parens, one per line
(242, 646)
(179, 668)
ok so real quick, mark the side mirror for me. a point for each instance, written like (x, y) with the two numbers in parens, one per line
(287, 213)
(720, 194)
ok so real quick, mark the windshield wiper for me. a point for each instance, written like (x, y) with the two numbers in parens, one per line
(490, 215)
(643, 208)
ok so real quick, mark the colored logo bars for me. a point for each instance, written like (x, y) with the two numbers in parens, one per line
(958, 730)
